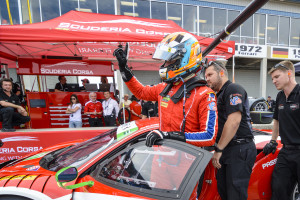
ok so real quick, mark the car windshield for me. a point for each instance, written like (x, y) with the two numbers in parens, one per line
(79, 153)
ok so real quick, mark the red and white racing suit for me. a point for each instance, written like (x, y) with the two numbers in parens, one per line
(200, 109)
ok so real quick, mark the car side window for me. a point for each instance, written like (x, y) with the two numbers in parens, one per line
(154, 168)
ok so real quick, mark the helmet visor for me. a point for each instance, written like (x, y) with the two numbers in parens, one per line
(163, 52)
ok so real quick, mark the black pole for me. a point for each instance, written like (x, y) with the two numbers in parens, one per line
(248, 12)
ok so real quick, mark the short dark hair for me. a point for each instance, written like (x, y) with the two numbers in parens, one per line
(133, 98)
(220, 65)
(60, 77)
(6, 80)
(106, 91)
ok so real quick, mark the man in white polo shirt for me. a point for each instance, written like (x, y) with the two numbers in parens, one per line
(110, 110)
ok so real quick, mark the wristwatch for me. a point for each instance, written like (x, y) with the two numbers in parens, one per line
(218, 150)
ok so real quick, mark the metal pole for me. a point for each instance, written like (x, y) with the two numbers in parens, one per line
(8, 11)
(114, 80)
(29, 13)
(39, 83)
(5, 66)
(233, 65)
(123, 107)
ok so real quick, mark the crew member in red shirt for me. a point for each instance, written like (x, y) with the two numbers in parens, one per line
(94, 109)
(135, 108)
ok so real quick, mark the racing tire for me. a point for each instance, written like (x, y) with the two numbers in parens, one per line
(295, 193)
(9, 197)
(260, 105)
(127, 116)
(258, 117)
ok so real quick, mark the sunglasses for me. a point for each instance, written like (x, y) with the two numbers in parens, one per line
(281, 65)
(73, 98)
(216, 64)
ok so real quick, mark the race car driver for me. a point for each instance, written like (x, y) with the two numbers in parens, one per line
(287, 125)
(187, 107)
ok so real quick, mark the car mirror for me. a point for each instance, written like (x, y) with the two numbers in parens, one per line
(69, 174)
(66, 174)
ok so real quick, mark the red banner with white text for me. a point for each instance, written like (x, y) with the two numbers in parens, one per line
(64, 67)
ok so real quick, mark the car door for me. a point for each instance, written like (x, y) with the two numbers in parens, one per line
(168, 171)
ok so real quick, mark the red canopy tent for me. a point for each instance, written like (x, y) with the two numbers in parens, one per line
(90, 37)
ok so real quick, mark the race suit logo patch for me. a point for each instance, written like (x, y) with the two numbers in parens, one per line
(166, 99)
(164, 104)
(212, 106)
(235, 100)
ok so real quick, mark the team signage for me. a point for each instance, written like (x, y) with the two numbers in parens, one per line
(62, 67)
(93, 26)
(250, 50)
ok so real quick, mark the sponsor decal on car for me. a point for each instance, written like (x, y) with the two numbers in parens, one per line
(18, 177)
(39, 155)
(5, 178)
(19, 149)
(30, 177)
(33, 169)
(126, 129)
(269, 164)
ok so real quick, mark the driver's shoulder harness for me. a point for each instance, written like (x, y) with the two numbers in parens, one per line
(189, 84)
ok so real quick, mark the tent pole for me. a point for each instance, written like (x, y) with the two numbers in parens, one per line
(39, 83)
(46, 84)
(8, 11)
(233, 65)
(29, 13)
(114, 80)
(5, 66)
(23, 84)
(123, 104)
(43, 87)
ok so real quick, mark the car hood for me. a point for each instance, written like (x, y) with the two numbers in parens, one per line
(27, 178)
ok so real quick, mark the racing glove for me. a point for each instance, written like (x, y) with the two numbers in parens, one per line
(270, 147)
(122, 60)
(157, 135)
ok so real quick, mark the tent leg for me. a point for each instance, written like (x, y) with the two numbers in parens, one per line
(5, 66)
(39, 82)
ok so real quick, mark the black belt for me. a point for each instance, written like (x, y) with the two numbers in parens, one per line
(109, 116)
(240, 141)
(291, 146)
